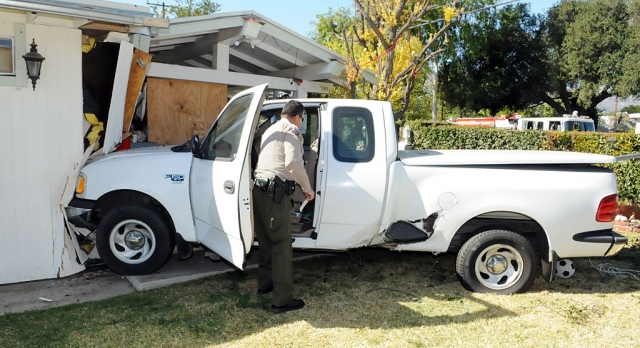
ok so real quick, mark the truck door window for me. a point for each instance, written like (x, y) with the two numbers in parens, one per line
(223, 139)
(310, 125)
(353, 139)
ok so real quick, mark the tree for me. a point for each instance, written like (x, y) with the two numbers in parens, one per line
(394, 38)
(188, 8)
(591, 47)
(580, 53)
(631, 109)
(497, 60)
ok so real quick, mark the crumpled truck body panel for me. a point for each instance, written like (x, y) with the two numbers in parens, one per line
(562, 199)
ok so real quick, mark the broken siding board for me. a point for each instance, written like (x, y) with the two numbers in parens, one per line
(67, 140)
(136, 78)
(56, 127)
(113, 132)
(178, 109)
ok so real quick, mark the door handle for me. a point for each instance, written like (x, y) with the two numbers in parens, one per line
(229, 187)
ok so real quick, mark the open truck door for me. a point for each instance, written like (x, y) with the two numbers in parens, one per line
(221, 179)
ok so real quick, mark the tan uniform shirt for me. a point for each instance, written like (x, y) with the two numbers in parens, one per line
(281, 154)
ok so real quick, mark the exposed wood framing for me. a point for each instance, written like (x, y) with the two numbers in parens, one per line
(119, 28)
(139, 67)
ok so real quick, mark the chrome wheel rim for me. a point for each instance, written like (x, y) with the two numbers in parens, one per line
(132, 241)
(499, 266)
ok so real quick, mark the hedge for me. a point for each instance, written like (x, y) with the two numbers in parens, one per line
(428, 135)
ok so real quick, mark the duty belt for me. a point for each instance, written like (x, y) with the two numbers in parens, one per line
(276, 185)
(264, 184)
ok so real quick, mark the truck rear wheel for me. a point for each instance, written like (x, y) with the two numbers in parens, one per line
(497, 261)
(135, 239)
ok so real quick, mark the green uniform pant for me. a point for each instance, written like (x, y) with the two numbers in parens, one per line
(272, 225)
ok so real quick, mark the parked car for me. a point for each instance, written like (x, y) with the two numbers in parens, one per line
(563, 124)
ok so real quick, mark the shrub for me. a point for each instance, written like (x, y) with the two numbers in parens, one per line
(427, 135)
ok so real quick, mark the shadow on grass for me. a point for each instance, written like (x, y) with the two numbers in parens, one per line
(365, 288)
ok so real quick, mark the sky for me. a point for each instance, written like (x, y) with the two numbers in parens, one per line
(298, 15)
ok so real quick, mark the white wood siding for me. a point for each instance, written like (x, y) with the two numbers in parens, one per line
(40, 143)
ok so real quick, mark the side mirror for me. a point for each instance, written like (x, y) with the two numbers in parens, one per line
(195, 143)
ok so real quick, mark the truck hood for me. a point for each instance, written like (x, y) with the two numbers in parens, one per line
(161, 150)
(497, 157)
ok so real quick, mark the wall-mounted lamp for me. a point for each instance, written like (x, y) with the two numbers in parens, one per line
(34, 63)
(245, 39)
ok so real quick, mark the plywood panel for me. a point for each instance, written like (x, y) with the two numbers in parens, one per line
(177, 109)
(139, 66)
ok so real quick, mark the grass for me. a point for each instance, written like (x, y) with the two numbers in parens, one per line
(365, 298)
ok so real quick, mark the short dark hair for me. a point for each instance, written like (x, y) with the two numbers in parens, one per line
(292, 108)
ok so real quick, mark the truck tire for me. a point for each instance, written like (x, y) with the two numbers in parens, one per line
(497, 261)
(135, 239)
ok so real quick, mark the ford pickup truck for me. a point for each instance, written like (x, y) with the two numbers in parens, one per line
(368, 193)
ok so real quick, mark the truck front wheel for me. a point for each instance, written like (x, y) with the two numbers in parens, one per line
(497, 261)
(135, 239)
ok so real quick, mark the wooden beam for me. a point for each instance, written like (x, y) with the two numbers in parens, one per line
(229, 78)
(187, 51)
(289, 56)
(300, 42)
(200, 46)
(251, 60)
(155, 22)
(220, 57)
(197, 63)
(119, 28)
(139, 67)
(180, 29)
(320, 71)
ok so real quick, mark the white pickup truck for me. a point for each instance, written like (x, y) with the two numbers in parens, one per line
(143, 202)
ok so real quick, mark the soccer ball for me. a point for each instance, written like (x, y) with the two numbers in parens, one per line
(565, 268)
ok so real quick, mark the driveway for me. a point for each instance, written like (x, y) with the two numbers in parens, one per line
(100, 284)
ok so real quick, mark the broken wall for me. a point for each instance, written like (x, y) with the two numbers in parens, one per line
(41, 139)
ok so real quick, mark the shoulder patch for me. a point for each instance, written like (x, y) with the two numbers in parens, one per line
(298, 133)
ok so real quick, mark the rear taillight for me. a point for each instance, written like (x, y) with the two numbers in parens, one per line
(608, 209)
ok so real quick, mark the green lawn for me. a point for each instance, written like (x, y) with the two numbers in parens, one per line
(368, 297)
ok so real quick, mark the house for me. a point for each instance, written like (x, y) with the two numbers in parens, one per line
(197, 64)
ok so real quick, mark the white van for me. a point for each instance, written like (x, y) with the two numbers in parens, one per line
(580, 123)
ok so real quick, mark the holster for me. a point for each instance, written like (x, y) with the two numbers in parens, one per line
(279, 189)
(291, 187)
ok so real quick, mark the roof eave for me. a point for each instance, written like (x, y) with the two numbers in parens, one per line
(90, 12)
